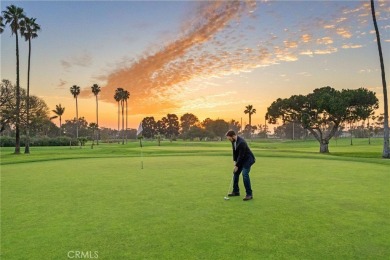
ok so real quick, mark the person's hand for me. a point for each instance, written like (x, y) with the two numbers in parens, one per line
(235, 169)
(234, 163)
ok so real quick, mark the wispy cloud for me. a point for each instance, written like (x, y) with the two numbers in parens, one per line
(82, 60)
(351, 46)
(210, 45)
(152, 77)
(62, 84)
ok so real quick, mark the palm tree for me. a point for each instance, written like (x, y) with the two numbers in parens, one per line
(1, 24)
(95, 90)
(250, 110)
(126, 96)
(117, 97)
(59, 111)
(29, 30)
(13, 16)
(386, 147)
(75, 90)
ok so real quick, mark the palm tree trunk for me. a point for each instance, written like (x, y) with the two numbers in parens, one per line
(17, 123)
(77, 119)
(97, 119)
(123, 121)
(126, 120)
(386, 147)
(118, 122)
(60, 127)
(27, 146)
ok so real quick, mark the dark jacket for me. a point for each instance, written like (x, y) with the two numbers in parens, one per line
(242, 155)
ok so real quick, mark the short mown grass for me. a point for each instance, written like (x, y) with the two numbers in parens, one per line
(307, 205)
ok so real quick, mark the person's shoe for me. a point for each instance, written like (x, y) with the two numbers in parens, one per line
(233, 194)
(247, 197)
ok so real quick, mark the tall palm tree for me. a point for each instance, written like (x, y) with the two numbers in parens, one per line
(95, 90)
(29, 30)
(13, 15)
(118, 97)
(126, 96)
(250, 110)
(75, 90)
(59, 111)
(386, 147)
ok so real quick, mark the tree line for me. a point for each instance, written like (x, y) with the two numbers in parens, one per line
(324, 105)
(41, 123)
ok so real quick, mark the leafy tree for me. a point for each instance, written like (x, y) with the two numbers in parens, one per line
(161, 127)
(7, 106)
(262, 131)
(93, 127)
(235, 126)
(187, 121)
(75, 91)
(96, 90)
(197, 132)
(149, 126)
(70, 126)
(386, 144)
(290, 130)
(219, 127)
(171, 121)
(378, 125)
(207, 124)
(59, 111)
(322, 111)
(29, 30)
(13, 16)
(38, 109)
(249, 130)
(250, 111)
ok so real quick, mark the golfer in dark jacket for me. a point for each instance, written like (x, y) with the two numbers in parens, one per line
(243, 160)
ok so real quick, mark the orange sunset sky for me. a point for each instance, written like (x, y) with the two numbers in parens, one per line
(203, 57)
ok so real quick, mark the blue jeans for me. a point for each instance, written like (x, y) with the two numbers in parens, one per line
(246, 179)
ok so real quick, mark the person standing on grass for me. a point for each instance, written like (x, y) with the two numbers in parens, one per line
(243, 160)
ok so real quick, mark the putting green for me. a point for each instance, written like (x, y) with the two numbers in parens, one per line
(306, 206)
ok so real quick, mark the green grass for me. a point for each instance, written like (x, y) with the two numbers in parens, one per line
(307, 205)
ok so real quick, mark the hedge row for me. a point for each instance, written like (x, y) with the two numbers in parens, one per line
(6, 141)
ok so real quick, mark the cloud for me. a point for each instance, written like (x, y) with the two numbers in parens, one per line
(291, 44)
(325, 41)
(343, 32)
(82, 60)
(62, 84)
(152, 78)
(307, 53)
(211, 44)
(351, 46)
(329, 50)
(306, 38)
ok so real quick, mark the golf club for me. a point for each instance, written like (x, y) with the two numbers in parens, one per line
(227, 194)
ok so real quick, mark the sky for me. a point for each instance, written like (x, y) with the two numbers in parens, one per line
(209, 58)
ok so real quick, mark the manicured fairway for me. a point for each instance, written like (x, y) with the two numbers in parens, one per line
(306, 206)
